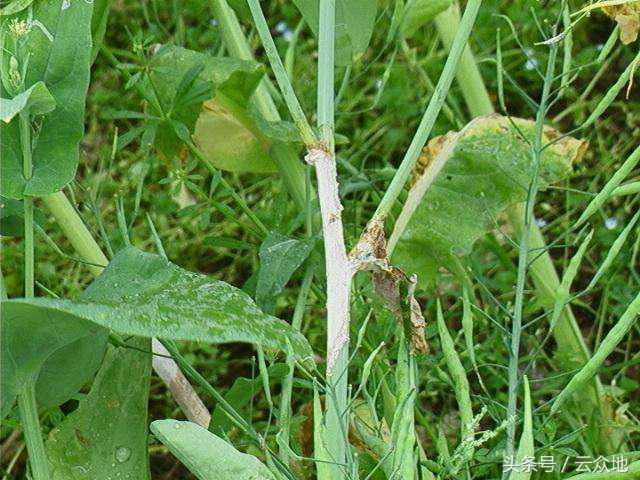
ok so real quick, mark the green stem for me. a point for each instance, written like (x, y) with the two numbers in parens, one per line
(567, 333)
(523, 257)
(289, 165)
(75, 230)
(32, 434)
(431, 113)
(468, 76)
(27, 171)
(287, 383)
(280, 72)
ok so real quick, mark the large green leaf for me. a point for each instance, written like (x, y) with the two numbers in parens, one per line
(36, 99)
(354, 25)
(471, 177)
(59, 48)
(61, 351)
(280, 257)
(106, 437)
(145, 295)
(206, 455)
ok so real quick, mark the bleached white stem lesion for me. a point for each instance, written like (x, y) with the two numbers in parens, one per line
(180, 388)
(338, 266)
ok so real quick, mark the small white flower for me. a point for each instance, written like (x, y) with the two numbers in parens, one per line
(531, 63)
(281, 27)
(287, 35)
(611, 223)
(541, 222)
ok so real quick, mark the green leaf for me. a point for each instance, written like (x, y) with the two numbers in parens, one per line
(145, 295)
(37, 100)
(183, 79)
(280, 257)
(210, 97)
(62, 352)
(207, 456)
(106, 437)
(354, 25)
(59, 48)
(471, 177)
(419, 12)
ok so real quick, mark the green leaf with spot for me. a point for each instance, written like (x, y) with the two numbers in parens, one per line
(145, 295)
(206, 455)
(59, 350)
(36, 100)
(106, 436)
(354, 25)
(59, 48)
(471, 177)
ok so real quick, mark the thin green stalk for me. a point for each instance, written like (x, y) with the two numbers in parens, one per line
(27, 171)
(32, 434)
(285, 158)
(338, 270)
(290, 98)
(473, 91)
(431, 113)
(27, 398)
(287, 384)
(567, 334)
(523, 256)
(75, 230)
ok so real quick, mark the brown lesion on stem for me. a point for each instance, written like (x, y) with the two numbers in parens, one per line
(371, 254)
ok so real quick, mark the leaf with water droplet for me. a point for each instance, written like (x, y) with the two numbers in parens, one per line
(145, 295)
(472, 177)
(107, 435)
(206, 455)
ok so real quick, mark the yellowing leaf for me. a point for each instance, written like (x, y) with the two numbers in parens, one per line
(230, 140)
(627, 16)
(469, 178)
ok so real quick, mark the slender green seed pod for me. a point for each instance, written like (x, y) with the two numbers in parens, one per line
(612, 93)
(613, 251)
(526, 447)
(613, 338)
(617, 178)
(458, 375)
(564, 292)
